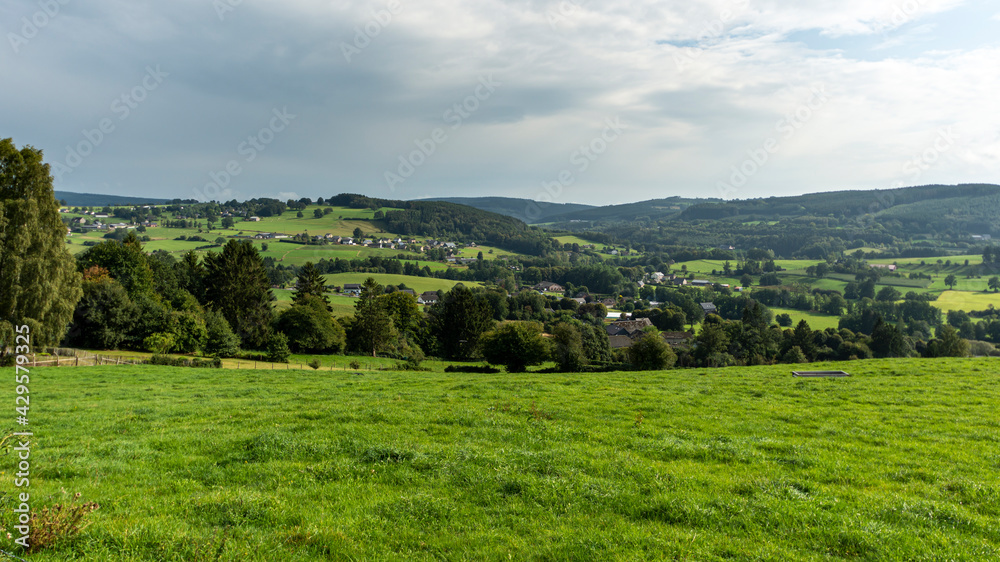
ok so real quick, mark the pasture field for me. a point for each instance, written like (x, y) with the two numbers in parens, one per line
(815, 320)
(418, 284)
(897, 462)
(962, 300)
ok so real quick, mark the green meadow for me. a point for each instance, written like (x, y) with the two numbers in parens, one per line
(418, 284)
(897, 462)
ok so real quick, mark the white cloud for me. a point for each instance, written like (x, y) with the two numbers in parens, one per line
(693, 106)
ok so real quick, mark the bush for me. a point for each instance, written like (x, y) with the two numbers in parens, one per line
(651, 353)
(277, 348)
(784, 320)
(315, 364)
(355, 364)
(484, 369)
(220, 340)
(58, 523)
(214, 363)
(159, 342)
(515, 345)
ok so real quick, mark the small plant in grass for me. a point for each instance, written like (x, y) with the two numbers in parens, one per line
(57, 523)
(355, 364)
(315, 364)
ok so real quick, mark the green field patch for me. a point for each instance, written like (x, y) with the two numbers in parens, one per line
(967, 301)
(895, 462)
(418, 284)
(815, 320)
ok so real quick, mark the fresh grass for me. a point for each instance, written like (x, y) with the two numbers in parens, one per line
(418, 284)
(962, 300)
(815, 320)
(897, 462)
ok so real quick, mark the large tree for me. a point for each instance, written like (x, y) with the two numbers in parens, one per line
(515, 345)
(372, 329)
(125, 261)
(310, 283)
(460, 319)
(236, 285)
(39, 283)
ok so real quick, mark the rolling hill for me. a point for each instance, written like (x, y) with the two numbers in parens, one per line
(99, 200)
(524, 210)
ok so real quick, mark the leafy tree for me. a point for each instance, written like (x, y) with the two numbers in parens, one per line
(277, 348)
(105, 316)
(39, 283)
(310, 327)
(887, 340)
(947, 344)
(835, 306)
(318, 213)
(951, 280)
(299, 215)
(220, 339)
(596, 345)
(567, 350)
(404, 311)
(866, 290)
(460, 318)
(515, 345)
(358, 233)
(712, 339)
(189, 331)
(651, 353)
(372, 328)
(310, 283)
(125, 261)
(888, 294)
(236, 285)
(994, 283)
(784, 320)
(227, 222)
(745, 280)
(769, 279)
(794, 355)
(159, 343)
(957, 318)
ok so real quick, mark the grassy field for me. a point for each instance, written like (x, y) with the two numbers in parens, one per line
(961, 300)
(898, 462)
(418, 284)
(815, 320)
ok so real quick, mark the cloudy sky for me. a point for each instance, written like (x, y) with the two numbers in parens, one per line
(573, 101)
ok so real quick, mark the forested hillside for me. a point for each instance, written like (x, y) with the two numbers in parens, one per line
(522, 209)
(451, 221)
(913, 221)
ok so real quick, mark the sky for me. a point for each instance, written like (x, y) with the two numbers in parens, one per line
(582, 101)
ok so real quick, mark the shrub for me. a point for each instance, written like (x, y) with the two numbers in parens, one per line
(315, 364)
(651, 353)
(784, 320)
(485, 369)
(355, 364)
(277, 348)
(58, 523)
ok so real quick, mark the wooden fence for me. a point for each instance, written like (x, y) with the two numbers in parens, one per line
(78, 361)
